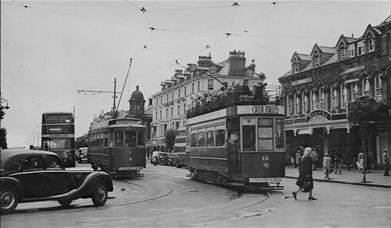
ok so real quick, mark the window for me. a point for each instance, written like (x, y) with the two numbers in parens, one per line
(220, 137)
(355, 90)
(366, 87)
(297, 108)
(316, 60)
(199, 86)
(192, 87)
(130, 138)
(179, 93)
(52, 162)
(201, 139)
(166, 113)
(172, 111)
(305, 104)
(321, 99)
(279, 132)
(360, 47)
(140, 138)
(371, 44)
(178, 110)
(119, 138)
(248, 134)
(343, 53)
(343, 96)
(184, 108)
(185, 90)
(33, 162)
(210, 135)
(334, 98)
(210, 84)
(194, 140)
(290, 106)
(351, 52)
(176, 125)
(160, 114)
(379, 86)
(265, 134)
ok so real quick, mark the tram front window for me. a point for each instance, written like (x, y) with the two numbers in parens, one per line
(140, 139)
(130, 138)
(248, 138)
(119, 138)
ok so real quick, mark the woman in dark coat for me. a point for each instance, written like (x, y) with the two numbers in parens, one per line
(305, 181)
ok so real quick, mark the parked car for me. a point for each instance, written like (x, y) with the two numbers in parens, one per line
(33, 175)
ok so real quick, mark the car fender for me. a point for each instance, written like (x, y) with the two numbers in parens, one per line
(11, 181)
(94, 177)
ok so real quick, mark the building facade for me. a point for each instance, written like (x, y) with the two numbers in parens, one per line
(321, 85)
(177, 95)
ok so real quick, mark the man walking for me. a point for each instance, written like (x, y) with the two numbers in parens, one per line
(386, 160)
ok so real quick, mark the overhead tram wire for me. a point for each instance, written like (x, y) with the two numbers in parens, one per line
(76, 15)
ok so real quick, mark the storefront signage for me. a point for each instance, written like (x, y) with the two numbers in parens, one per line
(260, 109)
(318, 113)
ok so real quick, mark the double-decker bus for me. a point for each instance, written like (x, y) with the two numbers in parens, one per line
(117, 145)
(58, 135)
(240, 146)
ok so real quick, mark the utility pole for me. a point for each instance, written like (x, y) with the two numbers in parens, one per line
(101, 91)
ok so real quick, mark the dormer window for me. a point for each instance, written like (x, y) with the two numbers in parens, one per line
(297, 67)
(342, 51)
(371, 45)
(316, 60)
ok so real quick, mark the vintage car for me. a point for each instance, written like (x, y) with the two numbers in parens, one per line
(33, 175)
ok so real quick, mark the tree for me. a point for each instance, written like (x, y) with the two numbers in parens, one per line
(3, 138)
(364, 113)
(170, 139)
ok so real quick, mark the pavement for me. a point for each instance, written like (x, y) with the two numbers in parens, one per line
(375, 178)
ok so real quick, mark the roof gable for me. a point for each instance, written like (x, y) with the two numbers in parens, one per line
(371, 30)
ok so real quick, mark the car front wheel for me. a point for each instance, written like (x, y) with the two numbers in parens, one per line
(99, 195)
(8, 199)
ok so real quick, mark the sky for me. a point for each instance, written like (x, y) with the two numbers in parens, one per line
(52, 49)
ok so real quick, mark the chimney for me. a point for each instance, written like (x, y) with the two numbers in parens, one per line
(237, 63)
(204, 61)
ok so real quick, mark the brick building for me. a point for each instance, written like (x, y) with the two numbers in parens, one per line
(320, 86)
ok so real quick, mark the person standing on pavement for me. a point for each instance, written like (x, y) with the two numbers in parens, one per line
(298, 158)
(386, 160)
(337, 162)
(305, 180)
(326, 165)
(360, 161)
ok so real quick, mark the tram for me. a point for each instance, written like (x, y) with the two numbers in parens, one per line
(239, 146)
(117, 146)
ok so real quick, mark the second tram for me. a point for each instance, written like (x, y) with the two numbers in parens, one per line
(240, 146)
(117, 146)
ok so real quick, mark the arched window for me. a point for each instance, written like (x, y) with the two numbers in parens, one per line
(366, 87)
(378, 87)
(334, 97)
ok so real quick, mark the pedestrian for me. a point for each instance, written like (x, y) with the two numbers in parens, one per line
(337, 162)
(360, 161)
(326, 165)
(368, 165)
(315, 159)
(298, 158)
(386, 160)
(305, 180)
